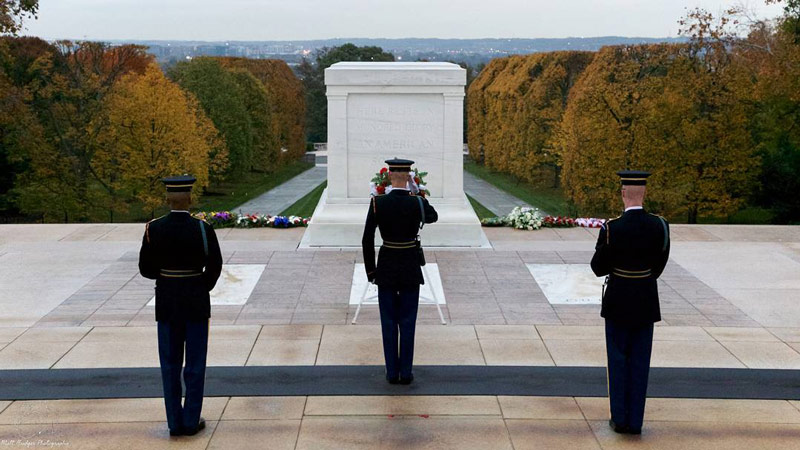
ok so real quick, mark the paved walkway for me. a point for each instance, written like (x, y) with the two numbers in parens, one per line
(494, 346)
(401, 422)
(496, 200)
(71, 298)
(283, 196)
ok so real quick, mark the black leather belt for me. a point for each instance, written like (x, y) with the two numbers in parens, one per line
(407, 244)
(632, 273)
(180, 273)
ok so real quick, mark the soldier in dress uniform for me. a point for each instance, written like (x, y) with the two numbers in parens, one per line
(182, 254)
(631, 252)
(399, 215)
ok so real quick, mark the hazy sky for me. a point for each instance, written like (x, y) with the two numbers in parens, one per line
(318, 19)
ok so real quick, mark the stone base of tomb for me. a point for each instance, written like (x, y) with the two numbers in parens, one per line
(341, 224)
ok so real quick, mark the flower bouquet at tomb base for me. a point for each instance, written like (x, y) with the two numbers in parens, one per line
(225, 219)
(525, 218)
(380, 184)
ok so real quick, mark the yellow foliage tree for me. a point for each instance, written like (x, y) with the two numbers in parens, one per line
(514, 107)
(669, 109)
(605, 125)
(155, 130)
(477, 108)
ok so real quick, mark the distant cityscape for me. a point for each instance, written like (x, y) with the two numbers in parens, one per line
(471, 51)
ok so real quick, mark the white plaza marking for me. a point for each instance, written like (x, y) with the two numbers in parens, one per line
(235, 284)
(434, 281)
(568, 284)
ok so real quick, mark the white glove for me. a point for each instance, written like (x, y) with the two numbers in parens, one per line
(412, 185)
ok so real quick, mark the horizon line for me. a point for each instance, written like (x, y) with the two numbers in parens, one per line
(357, 38)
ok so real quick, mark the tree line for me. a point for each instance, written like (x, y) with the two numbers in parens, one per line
(87, 130)
(717, 119)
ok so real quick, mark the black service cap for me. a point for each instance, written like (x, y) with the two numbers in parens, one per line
(181, 183)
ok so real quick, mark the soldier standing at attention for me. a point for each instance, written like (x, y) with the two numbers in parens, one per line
(632, 251)
(175, 250)
(399, 215)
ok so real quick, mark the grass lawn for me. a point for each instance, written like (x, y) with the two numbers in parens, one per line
(749, 215)
(547, 199)
(306, 205)
(230, 194)
(482, 211)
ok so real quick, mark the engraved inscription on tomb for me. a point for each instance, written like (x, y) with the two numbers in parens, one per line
(381, 126)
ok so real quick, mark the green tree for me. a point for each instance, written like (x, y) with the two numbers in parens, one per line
(223, 100)
(286, 102)
(771, 54)
(312, 74)
(266, 146)
(790, 22)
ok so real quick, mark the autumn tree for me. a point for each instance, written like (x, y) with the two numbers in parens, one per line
(518, 107)
(65, 86)
(790, 22)
(312, 73)
(477, 108)
(606, 125)
(670, 109)
(154, 130)
(771, 54)
(223, 100)
(14, 12)
(707, 93)
(20, 134)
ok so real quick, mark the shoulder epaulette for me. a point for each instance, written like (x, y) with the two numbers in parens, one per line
(664, 223)
(147, 227)
(608, 228)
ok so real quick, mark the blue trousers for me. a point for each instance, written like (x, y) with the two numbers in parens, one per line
(173, 338)
(628, 350)
(398, 309)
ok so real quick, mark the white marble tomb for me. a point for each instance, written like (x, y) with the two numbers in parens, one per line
(377, 111)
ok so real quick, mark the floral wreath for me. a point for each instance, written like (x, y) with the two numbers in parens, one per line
(380, 183)
(226, 219)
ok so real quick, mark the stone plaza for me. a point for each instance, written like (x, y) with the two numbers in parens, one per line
(78, 347)
(510, 346)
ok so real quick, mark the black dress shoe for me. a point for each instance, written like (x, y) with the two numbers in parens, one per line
(176, 432)
(406, 381)
(200, 426)
(634, 431)
(621, 429)
(394, 380)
